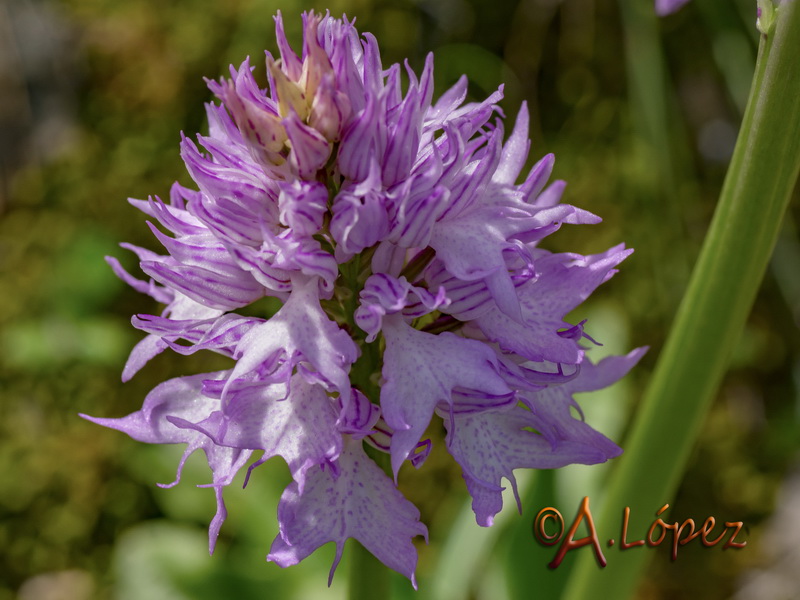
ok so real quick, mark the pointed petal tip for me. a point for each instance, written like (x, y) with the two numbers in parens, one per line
(336, 559)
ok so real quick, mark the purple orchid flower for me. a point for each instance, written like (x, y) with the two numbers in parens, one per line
(393, 230)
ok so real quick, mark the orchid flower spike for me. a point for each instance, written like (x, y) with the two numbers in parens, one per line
(406, 254)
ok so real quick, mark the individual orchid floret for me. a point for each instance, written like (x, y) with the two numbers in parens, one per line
(163, 420)
(408, 286)
(541, 433)
(360, 503)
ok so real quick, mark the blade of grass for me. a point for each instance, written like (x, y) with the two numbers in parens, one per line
(757, 190)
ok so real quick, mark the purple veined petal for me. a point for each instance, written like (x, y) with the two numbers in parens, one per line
(552, 405)
(177, 220)
(515, 150)
(247, 88)
(225, 463)
(180, 196)
(431, 156)
(470, 182)
(402, 142)
(316, 62)
(212, 289)
(360, 217)
(394, 92)
(180, 397)
(229, 154)
(404, 138)
(440, 160)
(303, 205)
(363, 140)
(282, 254)
(200, 251)
(537, 179)
(384, 295)
(389, 258)
(475, 401)
(380, 438)
(256, 117)
(472, 247)
(489, 445)
(289, 59)
(420, 453)
(545, 221)
(229, 222)
(259, 263)
(609, 370)
(476, 114)
(420, 370)
(470, 299)
(447, 103)
(222, 127)
(342, 45)
(372, 67)
(416, 215)
(361, 503)
(310, 150)
(357, 417)
(425, 303)
(146, 206)
(425, 82)
(218, 180)
(564, 282)
(221, 334)
(565, 213)
(302, 331)
(551, 196)
(534, 376)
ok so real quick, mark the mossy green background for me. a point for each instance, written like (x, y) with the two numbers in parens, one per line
(641, 114)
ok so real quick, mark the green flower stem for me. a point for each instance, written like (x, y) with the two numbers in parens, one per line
(757, 189)
(369, 577)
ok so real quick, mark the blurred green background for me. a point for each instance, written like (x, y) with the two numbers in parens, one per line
(642, 115)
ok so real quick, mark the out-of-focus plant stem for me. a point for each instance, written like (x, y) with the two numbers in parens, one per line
(756, 192)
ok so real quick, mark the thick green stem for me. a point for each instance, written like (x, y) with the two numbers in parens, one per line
(757, 189)
(369, 577)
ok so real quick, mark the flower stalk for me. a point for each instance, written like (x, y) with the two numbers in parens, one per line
(757, 189)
